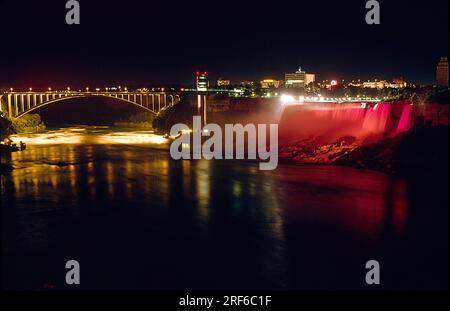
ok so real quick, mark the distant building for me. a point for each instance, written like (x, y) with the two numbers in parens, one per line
(379, 84)
(398, 84)
(355, 83)
(375, 84)
(270, 83)
(223, 82)
(202, 81)
(247, 83)
(298, 79)
(442, 72)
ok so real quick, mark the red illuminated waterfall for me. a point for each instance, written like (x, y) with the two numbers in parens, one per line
(377, 118)
(406, 119)
(331, 121)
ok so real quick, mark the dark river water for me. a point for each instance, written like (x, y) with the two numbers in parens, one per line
(135, 219)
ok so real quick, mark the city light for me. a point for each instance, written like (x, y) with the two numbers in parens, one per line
(287, 99)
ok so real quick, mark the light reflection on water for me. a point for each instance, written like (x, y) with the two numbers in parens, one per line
(90, 135)
(187, 224)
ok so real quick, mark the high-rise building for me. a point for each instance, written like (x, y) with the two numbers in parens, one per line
(298, 79)
(309, 78)
(202, 81)
(442, 72)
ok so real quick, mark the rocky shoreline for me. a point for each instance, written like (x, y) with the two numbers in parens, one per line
(422, 149)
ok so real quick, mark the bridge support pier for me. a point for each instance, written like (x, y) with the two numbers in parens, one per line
(10, 111)
(201, 107)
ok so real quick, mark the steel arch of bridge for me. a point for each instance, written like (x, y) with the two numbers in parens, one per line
(19, 104)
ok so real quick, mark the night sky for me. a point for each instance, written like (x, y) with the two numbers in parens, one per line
(158, 42)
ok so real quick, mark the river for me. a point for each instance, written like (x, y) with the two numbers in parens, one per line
(135, 219)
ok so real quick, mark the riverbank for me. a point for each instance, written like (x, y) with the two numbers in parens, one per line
(420, 150)
(27, 124)
(138, 121)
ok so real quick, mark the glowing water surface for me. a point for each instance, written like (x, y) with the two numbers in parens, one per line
(91, 135)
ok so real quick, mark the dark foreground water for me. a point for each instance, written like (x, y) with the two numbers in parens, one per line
(135, 219)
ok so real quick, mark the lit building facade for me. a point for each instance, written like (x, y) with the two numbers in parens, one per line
(270, 83)
(309, 78)
(398, 84)
(442, 72)
(375, 84)
(298, 79)
(223, 82)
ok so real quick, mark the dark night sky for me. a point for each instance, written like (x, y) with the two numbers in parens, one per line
(151, 42)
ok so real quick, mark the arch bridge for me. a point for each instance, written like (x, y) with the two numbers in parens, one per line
(17, 104)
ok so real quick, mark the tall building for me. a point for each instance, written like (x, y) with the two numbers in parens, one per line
(309, 78)
(442, 72)
(298, 79)
(202, 81)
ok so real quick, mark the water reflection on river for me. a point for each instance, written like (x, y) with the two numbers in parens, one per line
(135, 219)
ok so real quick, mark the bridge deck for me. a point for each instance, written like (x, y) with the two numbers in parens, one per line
(21, 103)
